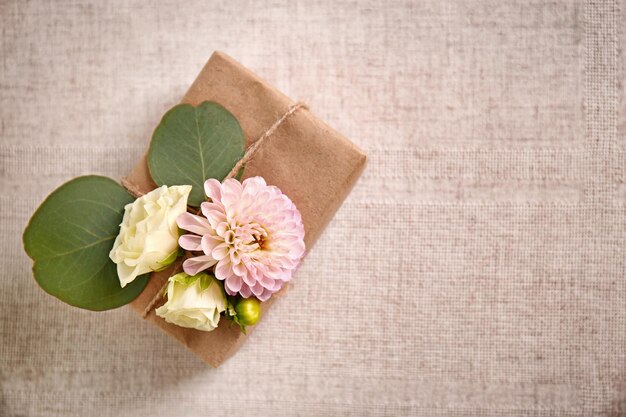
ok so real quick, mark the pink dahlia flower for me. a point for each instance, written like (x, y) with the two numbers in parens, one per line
(251, 232)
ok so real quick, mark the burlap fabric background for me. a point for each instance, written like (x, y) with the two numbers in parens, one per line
(477, 269)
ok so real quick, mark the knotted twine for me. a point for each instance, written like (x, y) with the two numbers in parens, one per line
(252, 149)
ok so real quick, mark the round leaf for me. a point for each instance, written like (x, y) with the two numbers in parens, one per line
(69, 239)
(193, 144)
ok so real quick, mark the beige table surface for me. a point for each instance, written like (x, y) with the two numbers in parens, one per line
(477, 269)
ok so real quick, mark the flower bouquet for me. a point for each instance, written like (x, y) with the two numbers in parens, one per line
(237, 183)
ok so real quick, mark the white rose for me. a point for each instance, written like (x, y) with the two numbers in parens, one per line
(148, 238)
(193, 301)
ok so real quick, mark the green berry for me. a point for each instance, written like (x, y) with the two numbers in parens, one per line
(248, 311)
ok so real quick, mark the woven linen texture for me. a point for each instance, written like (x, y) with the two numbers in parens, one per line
(477, 269)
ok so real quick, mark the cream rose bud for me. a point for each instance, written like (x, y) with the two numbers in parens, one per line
(148, 238)
(193, 301)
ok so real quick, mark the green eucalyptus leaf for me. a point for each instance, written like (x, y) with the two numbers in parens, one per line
(193, 144)
(69, 239)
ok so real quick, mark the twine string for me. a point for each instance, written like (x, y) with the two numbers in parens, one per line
(252, 149)
(247, 157)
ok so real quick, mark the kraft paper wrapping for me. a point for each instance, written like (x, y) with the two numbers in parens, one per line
(309, 161)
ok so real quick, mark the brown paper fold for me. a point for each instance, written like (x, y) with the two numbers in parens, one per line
(309, 161)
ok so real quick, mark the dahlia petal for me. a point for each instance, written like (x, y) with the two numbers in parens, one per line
(288, 263)
(220, 251)
(222, 269)
(245, 291)
(190, 242)
(239, 269)
(253, 273)
(231, 212)
(255, 183)
(208, 243)
(195, 224)
(212, 189)
(214, 213)
(267, 282)
(262, 198)
(278, 274)
(234, 283)
(214, 205)
(229, 292)
(265, 295)
(231, 191)
(257, 289)
(297, 250)
(194, 265)
(248, 279)
(277, 286)
(272, 271)
(286, 277)
(235, 258)
(222, 228)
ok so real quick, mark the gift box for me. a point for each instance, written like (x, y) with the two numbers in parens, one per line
(309, 161)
